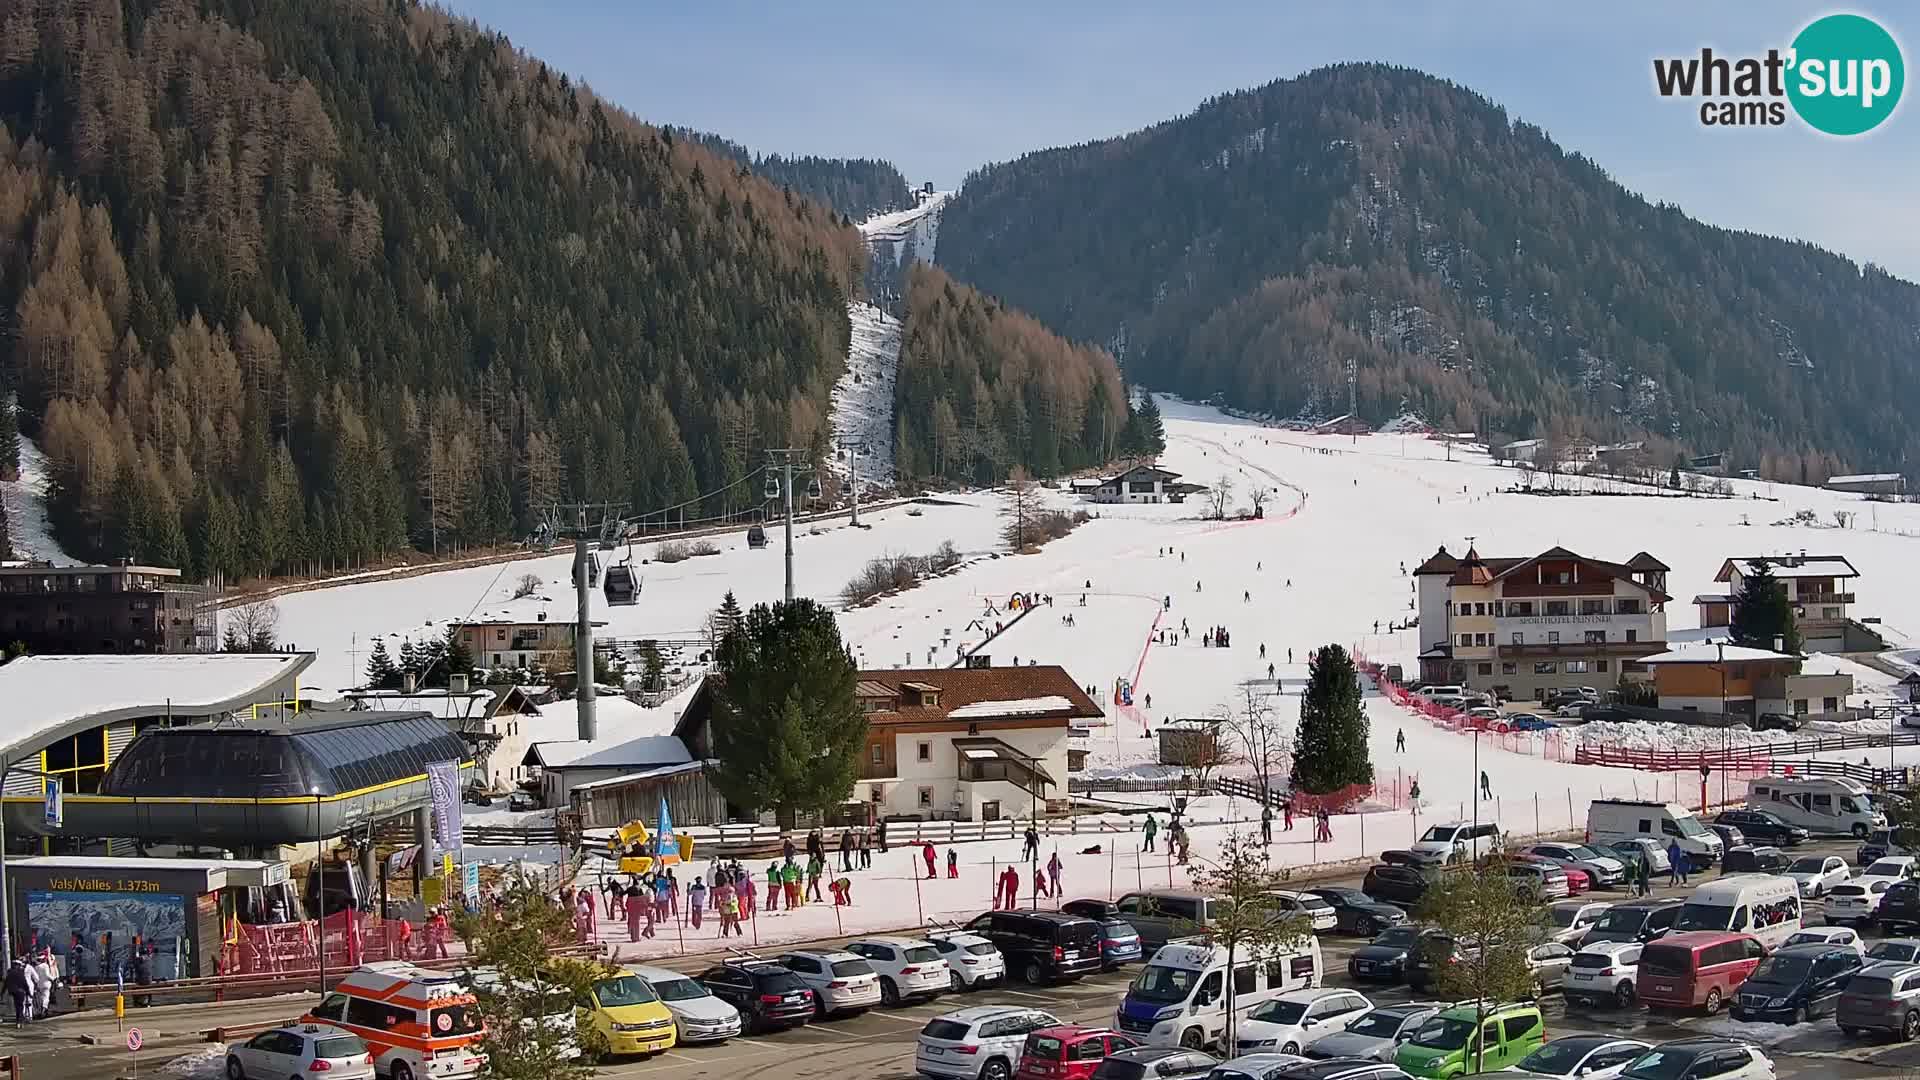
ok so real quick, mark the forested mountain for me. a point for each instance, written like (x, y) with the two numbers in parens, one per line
(982, 388)
(857, 188)
(1471, 268)
(289, 284)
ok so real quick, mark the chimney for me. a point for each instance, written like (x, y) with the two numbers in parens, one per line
(457, 682)
(409, 682)
(1779, 643)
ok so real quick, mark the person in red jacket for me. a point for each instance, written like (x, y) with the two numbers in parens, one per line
(927, 853)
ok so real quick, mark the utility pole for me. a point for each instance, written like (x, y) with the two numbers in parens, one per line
(853, 447)
(781, 463)
(583, 537)
(1353, 398)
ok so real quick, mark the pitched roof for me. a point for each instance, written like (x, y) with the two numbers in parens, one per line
(1474, 570)
(1437, 563)
(1644, 561)
(1786, 566)
(1021, 688)
(1700, 652)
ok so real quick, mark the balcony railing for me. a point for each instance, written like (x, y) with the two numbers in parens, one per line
(1812, 599)
(1011, 772)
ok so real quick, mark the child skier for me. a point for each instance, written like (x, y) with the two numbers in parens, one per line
(953, 863)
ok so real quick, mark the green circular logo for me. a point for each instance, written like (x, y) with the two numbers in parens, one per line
(1847, 74)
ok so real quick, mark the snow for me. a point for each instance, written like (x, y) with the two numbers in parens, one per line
(921, 224)
(46, 693)
(25, 500)
(1039, 706)
(205, 1064)
(1341, 517)
(862, 401)
(1702, 653)
(607, 752)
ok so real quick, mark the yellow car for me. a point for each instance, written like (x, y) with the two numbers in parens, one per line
(630, 1016)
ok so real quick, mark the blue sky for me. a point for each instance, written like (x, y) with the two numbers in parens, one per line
(939, 89)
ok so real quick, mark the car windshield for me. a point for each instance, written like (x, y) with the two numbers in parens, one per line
(1629, 919)
(1762, 817)
(1891, 950)
(1378, 1024)
(1045, 1047)
(1806, 866)
(1162, 985)
(1886, 868)
(1440, 834)
(1690, 826)
(1659, 1065)
(678, 989)
(1703, 917)
(625, 990)
(339, 1046)
(980, 948)
(1786, 969)
(1401, 937)
(1558, 1057)
(921, 954)
(945, 1030)
(1279, 1012)
(1581, 851)
(1443, 1033)
(1563, 916)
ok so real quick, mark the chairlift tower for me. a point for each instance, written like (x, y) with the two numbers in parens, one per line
(584, 524)
(782, 464)
(853, 449)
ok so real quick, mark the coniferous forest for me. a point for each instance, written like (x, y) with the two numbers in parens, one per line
(289, 285)
(857, 188)
(1470, 268)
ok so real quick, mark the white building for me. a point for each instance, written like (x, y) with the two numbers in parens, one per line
(1142, 484)
(498, 722)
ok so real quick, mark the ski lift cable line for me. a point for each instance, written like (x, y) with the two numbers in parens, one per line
(703, 496)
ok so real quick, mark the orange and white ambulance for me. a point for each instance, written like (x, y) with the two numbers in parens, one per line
(420, 1024)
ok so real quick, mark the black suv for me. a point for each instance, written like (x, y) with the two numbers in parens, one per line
(1899, 907)
(1796, 983)
(1764, 825)
(1747, 859)
(1424, 961)
(1635, 920)
(1404, 885)
(768, 996)
(1043, 946)
(1355, 912)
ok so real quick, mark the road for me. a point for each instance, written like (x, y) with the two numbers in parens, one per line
(879, 1044)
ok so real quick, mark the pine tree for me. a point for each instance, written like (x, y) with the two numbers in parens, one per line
(458, 659)
(786, 728)
(409, 658)
(1147, 432)
(9, 438)
(382, 674)
(1330, 749)
(725, 619)
(1762, 612)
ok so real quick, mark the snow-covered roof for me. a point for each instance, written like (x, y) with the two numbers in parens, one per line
(643, 774)
(1864, 478)
(604, 753)
(1713, 598)
(48, 697)
(1039, 706)
(474, 704)
(1703, 653)
(1790, 566)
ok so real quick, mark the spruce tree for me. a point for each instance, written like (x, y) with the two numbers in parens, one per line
(1150, 431)
(382, 674)
(786, 728)
(459, 658)
(1762, 612)
(1330, 748)
(9, 438)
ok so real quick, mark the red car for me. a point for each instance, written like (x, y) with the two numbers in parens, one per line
(1068, 1052)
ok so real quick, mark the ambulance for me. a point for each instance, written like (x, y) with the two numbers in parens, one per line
(420, 1024)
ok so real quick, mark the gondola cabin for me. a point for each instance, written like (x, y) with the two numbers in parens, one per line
(622, 587)
(756, 537)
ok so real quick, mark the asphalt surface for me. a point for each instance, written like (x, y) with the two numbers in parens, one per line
(879, 1044)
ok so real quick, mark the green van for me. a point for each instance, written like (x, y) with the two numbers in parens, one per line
(1443, 1048)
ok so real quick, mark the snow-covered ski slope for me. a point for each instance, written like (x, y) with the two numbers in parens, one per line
(26, 505)
(919, 224)
(862, 408)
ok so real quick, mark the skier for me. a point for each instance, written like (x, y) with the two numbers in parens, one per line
(1400, 741)
(1247, 597)
(1486, 786)
(1289, 656)
(1263, 650)
(953, 863)
(1031, 851)
(790, 879)
(743, 893)
(927, 853)
(1013, 888)
(1150, 829)
(19, 985)
(1266, 825)
(638, 908)
(696, 900)
(1286, 810)
(866, 848)
(1269, 671)
(773, 886)
(846, 851)
(1413, 792)
(883, 836)
(1149, 699)
(1196, 585)
(1039, 882)
(842, 889)
(1054, 867)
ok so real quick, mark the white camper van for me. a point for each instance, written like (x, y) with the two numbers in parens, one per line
(1609, 820)
(1183, 989)
(1764, 905)
(1822, 805)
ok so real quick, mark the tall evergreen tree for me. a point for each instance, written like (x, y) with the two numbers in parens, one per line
(9, 437)
(1762, 614)
(382, 673)
(1146, 431)
(1330, 747)
(786, 727)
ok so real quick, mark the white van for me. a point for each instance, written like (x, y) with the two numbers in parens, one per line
(1822, 805)
(1184, 989)
(1453, 841)
(1609, 820)
(1450, 696)
(1764, 905)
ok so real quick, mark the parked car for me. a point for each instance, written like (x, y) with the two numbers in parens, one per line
(842, 983)
(1698, 969)
(1571, 919)
(1891, 867)
(1587, 1057)
(1882, 997)
(1318, 913)
(981, 1043)
(767, 996)
(1645, 849)
(1294, 1020)
(1537, 880)
(1842, 936)
(1730, 836)
(1605, 871)
(627, 1013)
(1797, 983)
(1068, 1052)
(1899, 907)
(1815, 874)
(474, 796)
(1376, 1034)
(1445, 1046)
(908, 968)
(1385, 958)
(1396, 884)
(1748, 859)
(1119, 942)
(1256, 1067)
(1042, 946)
(1435, 950)
(972, 961)
(1764, 825)
(1881, 843)
(1549, 961)
(1354, 912)
(1155, 1063)
(698, 1014)
(1640, 920)
(522, 801)
(1777, 721)
(1897, 950)
(297, 1050)
(1703, 1058)
(1603, 972)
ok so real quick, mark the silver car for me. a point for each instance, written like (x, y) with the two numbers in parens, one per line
(1605, 870)
(1549, 961)
(301, 1051)
(698, 1014)
(1378, 1033)
(841, 982)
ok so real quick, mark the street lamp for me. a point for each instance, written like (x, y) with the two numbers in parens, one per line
(1720, 652)
(320, 888)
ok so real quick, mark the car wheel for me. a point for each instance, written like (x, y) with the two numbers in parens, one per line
(1859, 831)
(889, 993)
(994, 1069)
(819, 1006)
(1539, 988)
(235, 1070)
(953, 981)
(1713, 1001)
(1034, 974)
(1290, 1048)
(1910, 1026)
(402, 1071)
(1799, 1015)
(1366, 927)
(1193, 1039)
(1623, 995)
